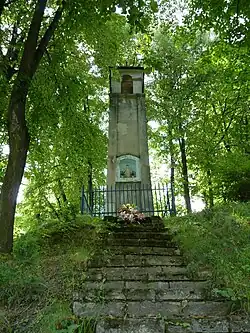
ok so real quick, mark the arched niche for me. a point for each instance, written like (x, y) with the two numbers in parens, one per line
(127, 84)
(128, 169)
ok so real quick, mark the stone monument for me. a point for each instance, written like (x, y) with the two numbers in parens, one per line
(128, 172)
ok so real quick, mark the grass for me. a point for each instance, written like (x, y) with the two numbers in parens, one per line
(37, 281)
(218, 240)
(50, 316)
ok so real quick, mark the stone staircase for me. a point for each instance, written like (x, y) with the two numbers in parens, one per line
(142, 286)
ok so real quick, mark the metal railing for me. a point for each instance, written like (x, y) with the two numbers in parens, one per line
(106, 200)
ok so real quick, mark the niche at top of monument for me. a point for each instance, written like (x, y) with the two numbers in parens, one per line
(128, 168)
(127, 84)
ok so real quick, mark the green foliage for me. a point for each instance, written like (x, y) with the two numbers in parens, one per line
(49, 57)
(75, 325)
(218, 240)
(50, 316)
(47, 265)
(229, 19)
(20, 282)
(57, 317)
(199, 93)
(233, 177)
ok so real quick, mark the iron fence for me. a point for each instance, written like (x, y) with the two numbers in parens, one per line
(106, 200)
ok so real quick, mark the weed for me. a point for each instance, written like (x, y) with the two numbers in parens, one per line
(76, 325)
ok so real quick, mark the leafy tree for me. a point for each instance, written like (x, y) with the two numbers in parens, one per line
(172, 89)
(219, 123)
(230, 19)
(200, 92)
(29, 31)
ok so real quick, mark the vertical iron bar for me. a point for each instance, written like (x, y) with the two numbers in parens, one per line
(141, 194)
(112, 189)
(111, 201)
(131, 199)
(168, 201)
(108, 200)
(162, 199)
(99, 201)
(137, 199)
(150, 198)
(91, 204)
(144, 190)
(145, 199)
(121, 194)
(103, 202)
(156, 198)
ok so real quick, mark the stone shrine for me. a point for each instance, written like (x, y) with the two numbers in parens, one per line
(128, 176)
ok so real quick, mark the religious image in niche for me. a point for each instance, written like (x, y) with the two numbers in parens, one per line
(127, 168)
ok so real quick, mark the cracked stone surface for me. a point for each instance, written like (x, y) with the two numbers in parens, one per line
(130, 326)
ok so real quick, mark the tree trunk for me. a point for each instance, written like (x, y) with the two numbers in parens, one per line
(172, 187)
(2, 4)
(17, 128)
(210, 189)
(182, 145)
(19, 144)
(90, 185)
(62, 193)
(52, 208)
(172, 174)
(205, 198)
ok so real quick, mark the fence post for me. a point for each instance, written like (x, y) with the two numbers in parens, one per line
(168, 207)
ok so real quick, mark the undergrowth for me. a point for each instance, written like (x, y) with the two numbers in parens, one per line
(218, 240)
(37, 281)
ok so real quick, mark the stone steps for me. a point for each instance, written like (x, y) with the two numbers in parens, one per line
(139, 228)
(145, 227)
(153, 273)
(194, 325)
(134, 290)
(143, 286)
(141, 260)
(142, 242)
(145, 308)
(143, 235)
(145, 250)
(112, 325)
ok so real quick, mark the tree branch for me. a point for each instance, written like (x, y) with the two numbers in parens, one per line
(12, 53)
(52, 208)
(47, 37)
(12, 43)
(31, 41)
(62, 192)
(8, 61)
(238, 8)
(2, 5)
(48, 56)
(225, 131)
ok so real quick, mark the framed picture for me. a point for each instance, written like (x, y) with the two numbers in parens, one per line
(128, 169)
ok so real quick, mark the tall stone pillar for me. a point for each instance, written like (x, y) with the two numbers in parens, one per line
(128, 173)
